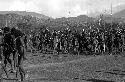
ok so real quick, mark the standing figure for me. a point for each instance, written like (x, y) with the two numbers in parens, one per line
(19, 49)
(8, 47)
(1, 41)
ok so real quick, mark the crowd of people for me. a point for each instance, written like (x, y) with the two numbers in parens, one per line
(91, 41)
(97, 40)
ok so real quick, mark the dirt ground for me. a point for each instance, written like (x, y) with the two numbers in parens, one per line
(73, 68)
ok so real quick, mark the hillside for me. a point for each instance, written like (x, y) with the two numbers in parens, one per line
(24, 13)
(24, 22)
(71, 22)
(120, 14)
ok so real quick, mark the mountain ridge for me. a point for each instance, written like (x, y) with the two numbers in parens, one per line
(25, 13)
(120, 14)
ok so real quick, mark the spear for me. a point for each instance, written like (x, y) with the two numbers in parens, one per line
(111, 15)
(6, 23)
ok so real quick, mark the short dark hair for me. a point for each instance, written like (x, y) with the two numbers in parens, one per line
(6, 29)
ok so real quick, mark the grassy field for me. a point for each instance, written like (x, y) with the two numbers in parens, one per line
(68, 68)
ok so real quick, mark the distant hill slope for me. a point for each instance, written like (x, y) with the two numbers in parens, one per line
(24, 13)
(78, 22)
(120, 14)
(108, 18)
(80, 18)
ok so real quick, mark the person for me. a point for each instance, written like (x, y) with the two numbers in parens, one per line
(1, 41)
(19, 42)
(8, 46)
(19, 48)
(25, 42)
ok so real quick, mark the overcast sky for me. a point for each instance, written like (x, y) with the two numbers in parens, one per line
(60, 8)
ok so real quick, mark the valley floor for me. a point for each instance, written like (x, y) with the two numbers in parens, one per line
(64, 68)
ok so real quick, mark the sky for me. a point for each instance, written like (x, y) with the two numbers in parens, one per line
(62, 8)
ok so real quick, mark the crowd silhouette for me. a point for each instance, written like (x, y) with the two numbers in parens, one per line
(96, 39)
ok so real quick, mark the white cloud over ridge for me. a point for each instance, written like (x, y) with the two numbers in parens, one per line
(60, 8)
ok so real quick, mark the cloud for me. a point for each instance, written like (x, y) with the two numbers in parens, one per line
(60, 8)
(18, 5)
(5, 4)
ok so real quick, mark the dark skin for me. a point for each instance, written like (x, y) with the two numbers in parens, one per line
(7, 48)
(12, 46)
(19, 53)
